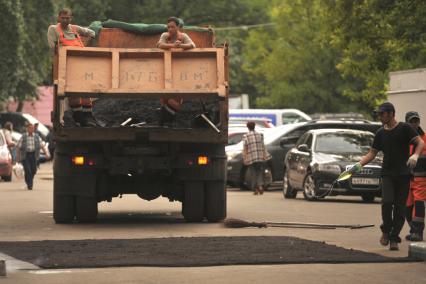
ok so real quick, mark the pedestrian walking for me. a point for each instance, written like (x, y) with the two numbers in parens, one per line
(417, 193)
(29, 147)
(255, 156)
(394, 140)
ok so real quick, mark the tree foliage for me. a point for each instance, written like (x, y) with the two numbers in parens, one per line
(11, 49)
(321, 55)
(376, 37)
(294, 65)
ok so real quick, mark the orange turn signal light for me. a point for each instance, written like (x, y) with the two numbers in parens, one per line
(203, 160)
(78, 160)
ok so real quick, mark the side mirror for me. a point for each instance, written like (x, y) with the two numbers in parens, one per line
(303, 148)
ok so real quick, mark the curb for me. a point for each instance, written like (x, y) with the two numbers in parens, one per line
(2, 267)
(417, 251)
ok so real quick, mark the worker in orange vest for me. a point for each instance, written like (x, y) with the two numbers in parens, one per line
(417, 194)
(65, 34)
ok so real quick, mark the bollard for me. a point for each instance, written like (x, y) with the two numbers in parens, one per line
(2, 267)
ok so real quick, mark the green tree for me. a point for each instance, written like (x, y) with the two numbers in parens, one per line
(376, 37)
(36, 56)
(11, 49)
(294, 65)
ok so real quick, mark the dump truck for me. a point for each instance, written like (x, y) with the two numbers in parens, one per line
(127, 151)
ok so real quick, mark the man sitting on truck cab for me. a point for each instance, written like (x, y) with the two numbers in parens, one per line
(65, 34)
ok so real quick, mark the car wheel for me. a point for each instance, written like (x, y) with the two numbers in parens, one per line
(310, 188)
(7, 178)
(368, 197)
(288, 190)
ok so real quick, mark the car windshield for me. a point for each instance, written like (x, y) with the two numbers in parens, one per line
(340, 142)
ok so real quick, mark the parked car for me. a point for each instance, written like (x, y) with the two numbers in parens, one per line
(20, 119)
(277, 116)
(320, 156)
(5, 159)
(278, 141)
(242, 121)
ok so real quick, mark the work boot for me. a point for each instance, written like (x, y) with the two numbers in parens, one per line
(393, 245)
(414, 237)
(384, 239)
(416, 232)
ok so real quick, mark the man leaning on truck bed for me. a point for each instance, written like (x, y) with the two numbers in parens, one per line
(65, 34)
(173, 38)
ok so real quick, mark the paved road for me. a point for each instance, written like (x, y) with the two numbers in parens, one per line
(27, 215)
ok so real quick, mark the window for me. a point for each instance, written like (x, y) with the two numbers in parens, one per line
(343, 143)
(290, 117)
(309, 140)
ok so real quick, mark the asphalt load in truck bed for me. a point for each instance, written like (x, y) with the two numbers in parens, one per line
(185, 252)
(113, 112)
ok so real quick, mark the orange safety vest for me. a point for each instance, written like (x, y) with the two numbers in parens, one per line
(69, 42)
(73, 102)
(418, 183)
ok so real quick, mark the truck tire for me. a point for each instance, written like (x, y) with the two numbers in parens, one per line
(63, 208)
(215, 196)
(193, 203)
(86, 209)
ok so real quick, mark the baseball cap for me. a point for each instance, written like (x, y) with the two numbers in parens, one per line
(410, 115)
(385, 107)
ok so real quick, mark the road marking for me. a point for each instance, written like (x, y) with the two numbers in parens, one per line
(13, 264)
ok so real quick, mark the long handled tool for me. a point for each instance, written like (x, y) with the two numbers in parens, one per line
(237, 223)
(354, 226)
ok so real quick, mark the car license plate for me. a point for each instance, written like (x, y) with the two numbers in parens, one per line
(365, 181)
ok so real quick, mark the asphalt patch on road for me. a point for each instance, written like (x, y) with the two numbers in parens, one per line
(185, 252)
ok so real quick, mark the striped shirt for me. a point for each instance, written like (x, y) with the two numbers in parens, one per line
(254, 148)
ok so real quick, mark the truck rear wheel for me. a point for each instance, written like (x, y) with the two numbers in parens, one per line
(86, 209)
(215, 198)
(193, 203)
(63, 208)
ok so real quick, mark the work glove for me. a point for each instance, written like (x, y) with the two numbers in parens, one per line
(412, 161)
(355, 168)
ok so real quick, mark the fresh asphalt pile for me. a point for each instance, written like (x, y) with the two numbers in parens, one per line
(113, 112)
(185, 252)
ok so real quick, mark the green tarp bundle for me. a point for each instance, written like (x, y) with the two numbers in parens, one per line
(139, 28)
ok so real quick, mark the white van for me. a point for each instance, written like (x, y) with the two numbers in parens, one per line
(277, 116)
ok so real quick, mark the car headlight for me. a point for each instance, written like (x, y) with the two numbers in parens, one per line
(232, 154)
(335, 169)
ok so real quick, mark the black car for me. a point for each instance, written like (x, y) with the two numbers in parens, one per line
(278, 141)
(319, 157)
